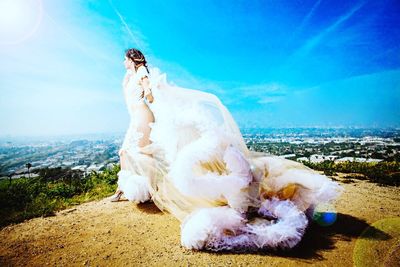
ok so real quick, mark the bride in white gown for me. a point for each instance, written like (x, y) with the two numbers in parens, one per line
(197, 167)
(136, 164)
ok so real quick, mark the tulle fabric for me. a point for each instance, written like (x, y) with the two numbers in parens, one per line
(138, 167)
(199, 169)
(185, 116)
(142, 168)
(193, 129)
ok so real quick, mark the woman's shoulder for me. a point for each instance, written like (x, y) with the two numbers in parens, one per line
(141, 72)
(142, 69)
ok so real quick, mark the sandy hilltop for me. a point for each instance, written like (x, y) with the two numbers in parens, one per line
(101, 233)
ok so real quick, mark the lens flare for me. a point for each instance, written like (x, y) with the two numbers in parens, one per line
(324, 214)
(379, 244)
(19, 20)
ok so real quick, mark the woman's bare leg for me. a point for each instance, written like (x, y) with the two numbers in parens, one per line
(122, 162)
(147, 117)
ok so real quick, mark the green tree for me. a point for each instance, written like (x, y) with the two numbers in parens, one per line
(29, 165)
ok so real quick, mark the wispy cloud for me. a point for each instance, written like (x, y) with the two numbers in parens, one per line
(262, 89)
(305, 21)
(384, 79)
(260, 93)
(316, 40)
(269, 99)
(308, 16)
(132, 34)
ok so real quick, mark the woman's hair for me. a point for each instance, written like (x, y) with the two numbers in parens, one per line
(137, 57)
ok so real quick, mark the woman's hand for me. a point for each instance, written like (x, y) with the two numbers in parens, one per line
(146, 89)
(150, 97)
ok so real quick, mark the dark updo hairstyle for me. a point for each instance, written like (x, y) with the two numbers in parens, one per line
(137, 57)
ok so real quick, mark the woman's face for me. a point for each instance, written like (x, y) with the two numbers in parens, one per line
(128, 63)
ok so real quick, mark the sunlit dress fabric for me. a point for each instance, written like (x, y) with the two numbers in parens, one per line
(226, 196)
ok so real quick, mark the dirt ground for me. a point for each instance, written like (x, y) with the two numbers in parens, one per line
(102, 233)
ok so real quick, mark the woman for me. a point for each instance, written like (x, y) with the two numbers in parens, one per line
(133, 177)
(226, 196)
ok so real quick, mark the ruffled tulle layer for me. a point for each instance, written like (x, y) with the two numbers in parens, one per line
(280, 224)
(199, 169)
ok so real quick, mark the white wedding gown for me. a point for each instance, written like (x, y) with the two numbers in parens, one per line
(226, 196)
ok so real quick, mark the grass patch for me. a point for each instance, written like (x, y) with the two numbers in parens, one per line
(382, 173)
(55, 189)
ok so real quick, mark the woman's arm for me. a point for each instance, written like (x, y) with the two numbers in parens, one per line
(147, 90)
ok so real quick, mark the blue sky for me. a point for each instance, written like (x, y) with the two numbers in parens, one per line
(272, 63)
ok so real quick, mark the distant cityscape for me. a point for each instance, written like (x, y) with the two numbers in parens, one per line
(98, 152)
(335, 144)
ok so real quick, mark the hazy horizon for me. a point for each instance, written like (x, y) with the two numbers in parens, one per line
(57, 137)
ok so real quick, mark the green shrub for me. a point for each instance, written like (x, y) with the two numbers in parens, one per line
(26, 198)
(383, 173)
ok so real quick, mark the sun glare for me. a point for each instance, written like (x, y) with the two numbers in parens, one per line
(19, 20)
